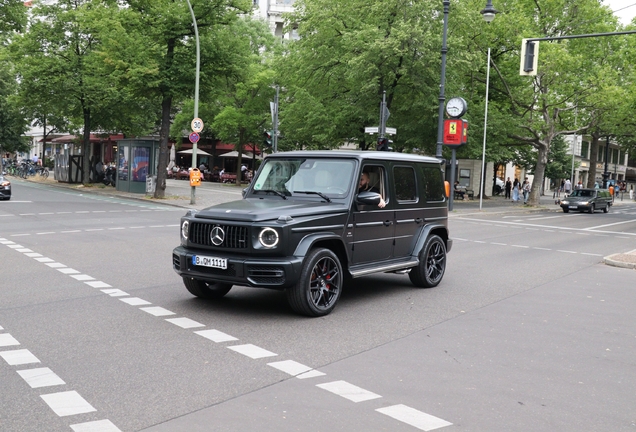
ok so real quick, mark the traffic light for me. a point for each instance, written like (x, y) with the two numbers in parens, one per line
(529, 57)
(268, 138)
(383, 144)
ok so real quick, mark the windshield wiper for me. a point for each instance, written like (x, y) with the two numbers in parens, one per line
(322, 195)
(272, 191)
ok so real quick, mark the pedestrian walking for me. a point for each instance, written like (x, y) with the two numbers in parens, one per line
(515, 190)
(579, 185)
(508, 188)
(567, 187)
(525, 188)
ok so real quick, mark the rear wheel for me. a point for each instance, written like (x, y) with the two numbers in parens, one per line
(207, 290)
(319, 286)
(430, 270)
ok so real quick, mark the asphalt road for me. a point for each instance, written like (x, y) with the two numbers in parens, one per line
(527, 332)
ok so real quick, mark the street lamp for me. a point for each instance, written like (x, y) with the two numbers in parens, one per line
(488, 13)
(442, 83)
(193, 199)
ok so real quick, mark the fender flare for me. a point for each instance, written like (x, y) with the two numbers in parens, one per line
(305, 244)
(424, 233)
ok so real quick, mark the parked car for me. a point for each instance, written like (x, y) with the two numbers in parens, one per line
(5, 188)
(499, 185)
(304, 226)
(588, 200)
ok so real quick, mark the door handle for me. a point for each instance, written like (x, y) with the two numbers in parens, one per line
(387, 223)
(418, 220)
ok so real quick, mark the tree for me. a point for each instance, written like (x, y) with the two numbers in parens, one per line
(61, 71)
(151, 53)
(12, 17)
(13, 124)
(348, 54)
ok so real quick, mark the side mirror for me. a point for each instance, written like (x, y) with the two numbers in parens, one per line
(368, 198)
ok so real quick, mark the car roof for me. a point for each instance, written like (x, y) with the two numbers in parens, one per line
(359, 154)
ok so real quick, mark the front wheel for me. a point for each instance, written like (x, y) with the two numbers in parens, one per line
(207, 290)
(565, 210)
(319, 286)
(606, 208)
(429, 272)
(591, 209)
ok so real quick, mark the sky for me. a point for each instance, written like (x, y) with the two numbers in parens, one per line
(625, 16)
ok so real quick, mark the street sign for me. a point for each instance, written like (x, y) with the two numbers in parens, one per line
(197, 125)
(454, 132)
(371, 130)
(391, 131)
(194, 137)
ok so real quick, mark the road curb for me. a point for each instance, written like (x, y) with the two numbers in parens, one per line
(622, 260)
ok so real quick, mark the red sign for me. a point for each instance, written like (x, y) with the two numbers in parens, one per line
(453, 132)
(194, 137)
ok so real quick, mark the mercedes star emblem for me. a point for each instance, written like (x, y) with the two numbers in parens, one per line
(217, 236)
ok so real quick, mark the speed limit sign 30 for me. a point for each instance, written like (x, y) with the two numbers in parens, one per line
(197, 125)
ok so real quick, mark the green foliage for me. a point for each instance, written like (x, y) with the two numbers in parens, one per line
(12, 122)
(12, 18)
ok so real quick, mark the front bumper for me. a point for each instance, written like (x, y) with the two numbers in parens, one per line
(275, 273)
(5, 193)
(576, 207)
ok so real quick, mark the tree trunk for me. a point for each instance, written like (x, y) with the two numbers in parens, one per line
(591, 173)
(539, 173)
(164, 134)
(86, 147)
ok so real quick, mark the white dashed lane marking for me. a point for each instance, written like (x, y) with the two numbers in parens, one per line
(157, 311)
(18, 357)
(216, 336)
(95, 426)
(40, 377)
(413, 417)
(252, 351)
(7, 340)
(290, 367)
(349, 391)
(135, 301)
(185, 323)
(67, 403)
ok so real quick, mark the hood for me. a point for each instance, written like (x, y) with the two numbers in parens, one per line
(256, 209)
(577, 199)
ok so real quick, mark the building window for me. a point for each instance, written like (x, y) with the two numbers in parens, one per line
(585, 146)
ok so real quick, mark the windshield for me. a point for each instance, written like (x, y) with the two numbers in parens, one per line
(305, 177)
(582, 193)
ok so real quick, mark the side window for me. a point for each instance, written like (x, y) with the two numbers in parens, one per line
(405, 185)
(433, 187)
(373, 179)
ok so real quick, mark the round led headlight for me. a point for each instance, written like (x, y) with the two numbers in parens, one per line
(185, 227)
(268, 237)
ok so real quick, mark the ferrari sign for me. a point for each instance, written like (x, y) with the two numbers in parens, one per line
(455, 132)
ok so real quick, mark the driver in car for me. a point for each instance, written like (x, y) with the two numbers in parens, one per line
(365, 186)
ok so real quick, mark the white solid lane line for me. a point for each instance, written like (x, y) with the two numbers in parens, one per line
(349, 391)
(612, 224)
(413, 417)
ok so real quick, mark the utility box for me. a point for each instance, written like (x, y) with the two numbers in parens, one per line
(151, 184)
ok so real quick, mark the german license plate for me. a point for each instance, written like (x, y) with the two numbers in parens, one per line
(206, 261)
(573, 207)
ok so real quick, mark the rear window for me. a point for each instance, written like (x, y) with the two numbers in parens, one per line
(433, 187)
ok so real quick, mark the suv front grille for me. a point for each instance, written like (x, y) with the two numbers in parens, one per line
(235, 236)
